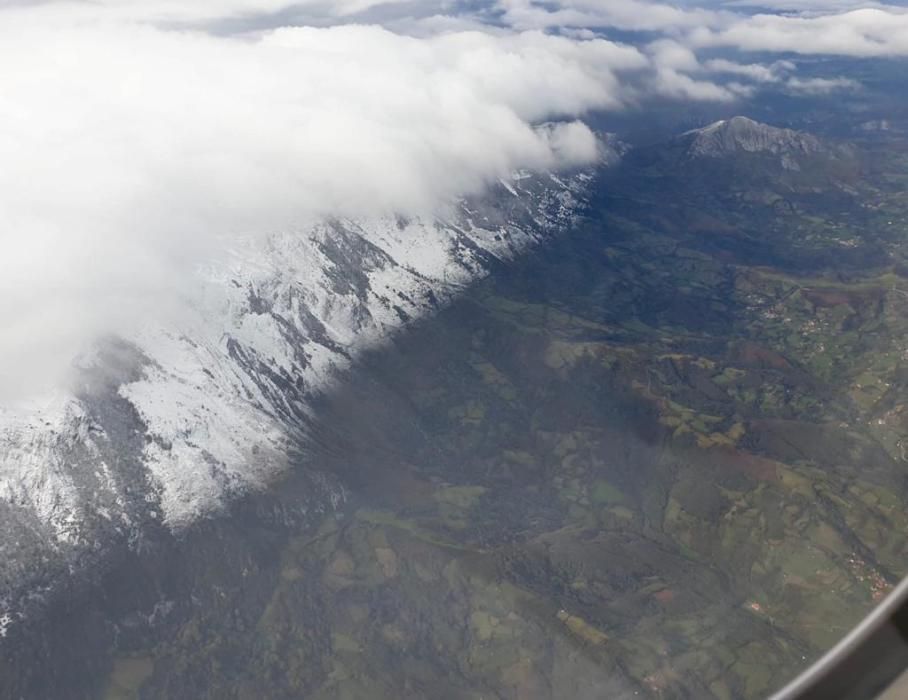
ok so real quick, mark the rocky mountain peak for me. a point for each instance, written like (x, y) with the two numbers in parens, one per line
(732, 136)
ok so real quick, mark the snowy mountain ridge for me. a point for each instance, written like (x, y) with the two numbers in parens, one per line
(169, 425)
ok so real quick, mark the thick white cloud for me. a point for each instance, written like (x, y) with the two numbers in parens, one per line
(830, 27)
(673, 65)
(820, 86)
(620, 14)
(756, 72)
(868, 32)
(821, 6)
(200, 10)
(130, 152)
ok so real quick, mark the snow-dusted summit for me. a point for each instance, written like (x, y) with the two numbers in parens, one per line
(731, 136)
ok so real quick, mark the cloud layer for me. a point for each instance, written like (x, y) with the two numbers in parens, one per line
(137, 136)
(824, 27)
(130, 152)
(863, 32)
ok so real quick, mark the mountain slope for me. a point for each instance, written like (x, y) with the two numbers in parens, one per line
(168, 426)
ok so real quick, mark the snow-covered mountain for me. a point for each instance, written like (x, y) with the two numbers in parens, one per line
(167, 426)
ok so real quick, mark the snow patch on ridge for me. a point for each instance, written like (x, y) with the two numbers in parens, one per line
(34, 445)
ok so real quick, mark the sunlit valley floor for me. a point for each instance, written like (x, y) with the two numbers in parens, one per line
(661, 456)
